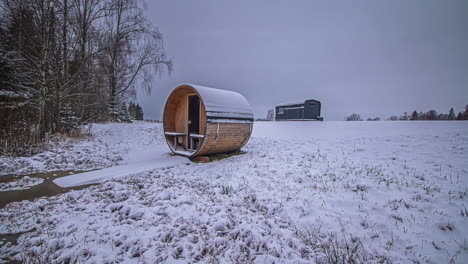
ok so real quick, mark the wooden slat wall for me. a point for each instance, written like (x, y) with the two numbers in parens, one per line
(231, 137)
(202, 118)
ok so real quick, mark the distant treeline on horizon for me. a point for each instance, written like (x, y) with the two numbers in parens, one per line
(429, 115)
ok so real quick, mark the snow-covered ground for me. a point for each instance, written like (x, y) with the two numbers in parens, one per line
(303, 192)
(109, 146)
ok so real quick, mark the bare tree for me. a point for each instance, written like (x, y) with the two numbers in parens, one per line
(270, 115)
(451, 114)
(134, 50)
(404, 116)
(431, 115)
(354, 117)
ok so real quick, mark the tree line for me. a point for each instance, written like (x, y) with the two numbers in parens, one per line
(135, 111)
(64, 60)
(433, 115)
(415, 115)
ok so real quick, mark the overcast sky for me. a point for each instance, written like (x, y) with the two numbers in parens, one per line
(376, 58)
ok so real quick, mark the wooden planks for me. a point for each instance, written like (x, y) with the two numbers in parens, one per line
(230, 137)
(202, 117)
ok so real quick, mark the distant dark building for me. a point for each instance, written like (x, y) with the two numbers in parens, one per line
(300, 110)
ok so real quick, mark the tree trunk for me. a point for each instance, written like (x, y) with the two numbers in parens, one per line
(44, 67)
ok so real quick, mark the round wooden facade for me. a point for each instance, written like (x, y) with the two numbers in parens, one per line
(201, 121)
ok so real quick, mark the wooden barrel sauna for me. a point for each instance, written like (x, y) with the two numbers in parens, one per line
(201, 120)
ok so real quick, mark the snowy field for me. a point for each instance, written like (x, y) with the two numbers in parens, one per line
(303, 192)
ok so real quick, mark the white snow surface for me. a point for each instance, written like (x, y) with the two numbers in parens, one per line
(224, 103)
(303, 192)
(141, 162)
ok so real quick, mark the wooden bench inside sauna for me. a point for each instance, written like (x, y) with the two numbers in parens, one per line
(201, 121)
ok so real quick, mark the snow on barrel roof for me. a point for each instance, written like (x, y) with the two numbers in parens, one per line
(224, 105)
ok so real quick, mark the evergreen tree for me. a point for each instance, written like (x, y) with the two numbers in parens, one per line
(132, 110)
(460, 116)
(414, 116)
(69, 122)
(114, 111)
(138, 112)
(451, 114)
(465, 115)
(124, 116)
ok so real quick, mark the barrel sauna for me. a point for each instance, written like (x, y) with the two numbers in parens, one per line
(200, 120)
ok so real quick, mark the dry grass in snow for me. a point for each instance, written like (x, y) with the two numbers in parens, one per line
(329, 192)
